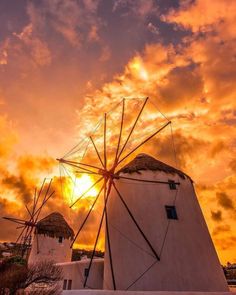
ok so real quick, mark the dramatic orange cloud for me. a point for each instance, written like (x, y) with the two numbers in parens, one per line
(194, 85)
(71, 61)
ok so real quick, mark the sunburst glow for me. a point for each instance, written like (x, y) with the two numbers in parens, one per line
(82, 184)
(74, 188)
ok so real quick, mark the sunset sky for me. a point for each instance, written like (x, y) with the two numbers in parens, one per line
(63, 63)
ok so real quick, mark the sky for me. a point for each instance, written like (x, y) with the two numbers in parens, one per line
(65, 62)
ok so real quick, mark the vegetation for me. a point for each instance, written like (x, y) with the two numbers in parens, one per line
(77, 254)
(41, 278)
(230, 273)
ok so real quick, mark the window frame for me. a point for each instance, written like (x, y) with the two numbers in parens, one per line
(69, 284)
(65, 284)
(172, 184)
(171, 212)
(86, 272)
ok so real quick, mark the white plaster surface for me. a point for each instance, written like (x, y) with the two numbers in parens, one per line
(75, 271)
(48, 248)
(188, 260)
(109, 292)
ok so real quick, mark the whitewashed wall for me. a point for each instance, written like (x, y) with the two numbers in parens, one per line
(188, 259)
(50, 249)
(75, 271)
(108, 292)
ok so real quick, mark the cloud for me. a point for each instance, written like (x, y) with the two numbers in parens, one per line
(40, 52)
(221, 229)
(9, 137)
(19, 186)
(217, 148)
(8, 231)
(93, 34)
(91, 5)
(105, 54)
(202, 16)
(153, 29)
(224, 201)
(216, 215)
(194, 86)
(191, 81)
(138, 8)
(232, 165)
(71, 19)
(4, 52)
(229, 117)
(31, 46)
(20, 175)
(26, 176)
(226, 244)
(25, 51)
(182, 86)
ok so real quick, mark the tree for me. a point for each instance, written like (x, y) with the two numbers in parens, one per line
(12, 277)
(39, 278)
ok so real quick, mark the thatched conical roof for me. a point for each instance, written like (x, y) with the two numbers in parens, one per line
(146, 162)
(54, 225)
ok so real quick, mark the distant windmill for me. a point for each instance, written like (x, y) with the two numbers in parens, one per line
(29, 225)
(116, 137)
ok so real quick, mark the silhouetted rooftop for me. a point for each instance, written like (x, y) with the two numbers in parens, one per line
(146, 162)
(54, 225)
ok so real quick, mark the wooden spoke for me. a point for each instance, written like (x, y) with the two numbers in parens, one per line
(40, 191)
(97, 152)
(84, 172)
(95, 245)
(30, 214)
(121, 129)
(135, 222)
(34, 201)
(105, 143)
(16, 220)
(20, 235)
(106, 195)
(45, 201)
(132, 129)
(143, 142)
(87, 216)
(21, 226)
(37, 243)
(86, 191)
(76, 164)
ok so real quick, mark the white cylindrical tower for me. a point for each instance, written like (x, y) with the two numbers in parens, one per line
(52, 239)
(170, 217)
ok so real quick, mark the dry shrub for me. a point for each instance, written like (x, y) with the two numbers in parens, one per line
(40, 278)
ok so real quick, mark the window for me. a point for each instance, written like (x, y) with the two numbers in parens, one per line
(171, 212)
(64, 284)
(69, 284)
(86, 272)
(172, 184)
(60, 239)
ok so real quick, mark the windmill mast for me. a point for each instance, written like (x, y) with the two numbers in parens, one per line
(106, 171)
(28, 226)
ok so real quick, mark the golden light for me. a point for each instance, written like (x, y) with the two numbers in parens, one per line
(137, 66)
(75, 188)
(82, 184)
(143, 74)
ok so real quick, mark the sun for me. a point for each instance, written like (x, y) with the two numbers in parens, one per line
(75, 187)
(82, 184)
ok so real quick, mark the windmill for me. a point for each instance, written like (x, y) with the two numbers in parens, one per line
(116, 138)
(28, 226)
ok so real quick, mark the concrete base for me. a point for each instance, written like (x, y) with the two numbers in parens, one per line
(108, 292)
